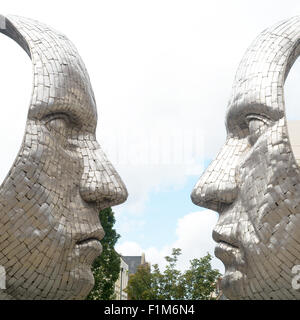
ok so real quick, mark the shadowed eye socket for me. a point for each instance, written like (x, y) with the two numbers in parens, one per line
(257, 125)
(58, 122)
(61, 125)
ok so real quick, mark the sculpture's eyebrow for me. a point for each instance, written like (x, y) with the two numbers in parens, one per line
(237, 113)
(82, 113)
(86, 116)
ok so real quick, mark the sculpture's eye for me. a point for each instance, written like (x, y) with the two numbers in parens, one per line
(58, 123)
(60, 126)
(257, 126)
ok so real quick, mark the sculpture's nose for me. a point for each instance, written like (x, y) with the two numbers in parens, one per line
(100, 182)
(217, 186)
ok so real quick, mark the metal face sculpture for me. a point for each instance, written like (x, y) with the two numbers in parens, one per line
(50, 200)
(254, 182)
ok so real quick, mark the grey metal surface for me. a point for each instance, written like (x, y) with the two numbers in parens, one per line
(50, 199)
(254, 182)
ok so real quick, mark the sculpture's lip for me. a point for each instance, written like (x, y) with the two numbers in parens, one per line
(84, 241)
(89, 249)
(226, 244)
(225, 240)
(227, 248)
(227, 252)
(95, 235)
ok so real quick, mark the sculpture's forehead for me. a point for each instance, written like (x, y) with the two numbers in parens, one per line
(262, 72)
(61, 81)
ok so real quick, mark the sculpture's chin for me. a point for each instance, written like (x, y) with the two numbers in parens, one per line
(79, 284)
(83, 281)
(232, 284)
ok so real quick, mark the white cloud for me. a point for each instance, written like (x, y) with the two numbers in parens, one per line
(194, 237)
(140, 180)
(129, 224)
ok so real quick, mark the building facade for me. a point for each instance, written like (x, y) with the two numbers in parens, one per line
(122, 281)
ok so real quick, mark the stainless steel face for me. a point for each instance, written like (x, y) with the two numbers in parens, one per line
(60, 180)
(254, 182)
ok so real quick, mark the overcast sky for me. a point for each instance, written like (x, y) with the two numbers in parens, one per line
(162, 73)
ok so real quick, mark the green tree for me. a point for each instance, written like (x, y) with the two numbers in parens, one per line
(197, 283)
(200, 279)
(168, 284)
(106, 267)
(139, 285)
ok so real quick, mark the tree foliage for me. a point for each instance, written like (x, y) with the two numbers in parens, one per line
(141, 284)
(197, 283)
(106, 267)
